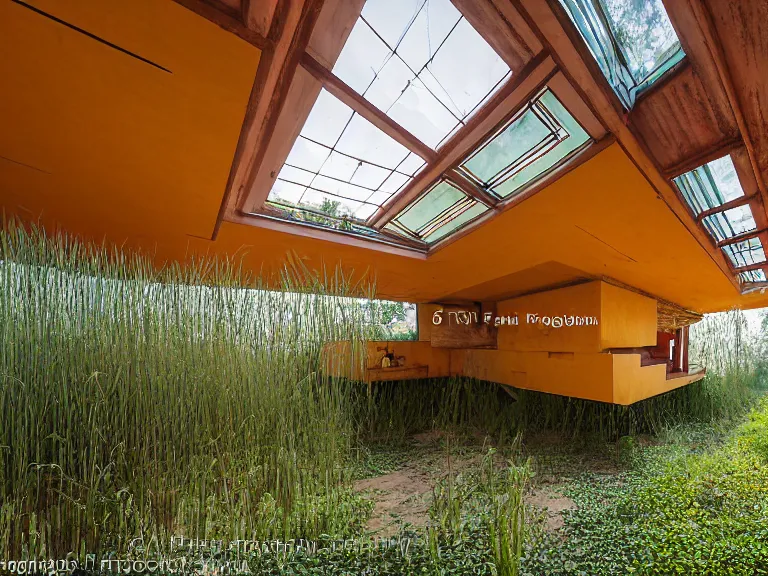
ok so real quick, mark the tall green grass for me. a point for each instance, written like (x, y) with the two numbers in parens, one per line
(181, 401)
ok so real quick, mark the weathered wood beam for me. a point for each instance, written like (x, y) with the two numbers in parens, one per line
(718, 151)
(327, 234)
(258, 15)
(499, 32)
(468, 187)
(499, 108)
(290, 30)
(741, 237)
(227, 22)
(367, 110)
(750, 287)
(289, 92)
(709, 31)
(750, 267)
(735, 203)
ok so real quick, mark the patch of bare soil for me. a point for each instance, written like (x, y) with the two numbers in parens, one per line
(401, 497)
(553, 504)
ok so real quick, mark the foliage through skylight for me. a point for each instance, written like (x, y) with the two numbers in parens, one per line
(537, 138)
(633, 41)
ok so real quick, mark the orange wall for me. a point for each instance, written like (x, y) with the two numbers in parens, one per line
(629, 320)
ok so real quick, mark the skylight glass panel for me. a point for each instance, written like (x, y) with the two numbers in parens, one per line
(536, 139)
(753, 276)
(729, 223)
(746, 252)
(341, 165)
(710, 186)
(421, 63)
(633, 41)
(435, 214)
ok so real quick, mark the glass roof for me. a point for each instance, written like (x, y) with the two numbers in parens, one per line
(421, 63)
(439, 211)
(710, 186)
(341, 164)
(538, 137)
(753, 276)
(633, 41)
(746, 252)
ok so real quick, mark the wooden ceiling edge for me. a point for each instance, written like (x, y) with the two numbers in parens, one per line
(659, 300)
(324, 235)
(758, 206)
(290, 31)
(751, 287)
(470, 188)
(718, 150)
(227, 22)
(324, 42)
(259, 15)
(704, 17)
(591, 150)
(583, 72)
(499, 108)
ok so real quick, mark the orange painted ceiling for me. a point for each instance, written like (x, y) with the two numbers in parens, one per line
(100, 143)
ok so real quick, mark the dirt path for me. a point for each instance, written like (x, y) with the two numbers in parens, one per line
(404, 496)
(401, 497)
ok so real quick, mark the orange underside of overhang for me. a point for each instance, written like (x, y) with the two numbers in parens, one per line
(102, 145)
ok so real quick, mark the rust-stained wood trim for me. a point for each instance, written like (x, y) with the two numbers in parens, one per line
(572, 101)
(468, 187)
(555, 173)
(340, 90)
(741, 237)
(324, 234)
(558, 34)
(718, 151)
(515, 92)
(485, 17)
(749, 268)
(272, 132)
(735, 203)
(258, 14)
(750, 287)
(291, 29)
(664, 79)
(227, 22)
(703, 16)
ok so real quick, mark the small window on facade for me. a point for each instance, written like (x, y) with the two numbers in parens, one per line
(536, 139)
(439, 211)
(633, 41)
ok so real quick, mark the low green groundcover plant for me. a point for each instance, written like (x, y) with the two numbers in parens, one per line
(683, 509)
